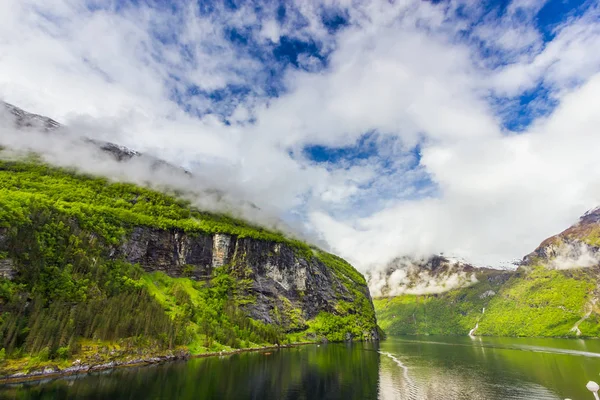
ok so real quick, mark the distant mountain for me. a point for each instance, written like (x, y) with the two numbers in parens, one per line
(25, 120)
(578, 246)
(554, 292)
(428, 275)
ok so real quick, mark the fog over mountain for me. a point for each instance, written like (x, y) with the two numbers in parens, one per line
(380, 129)
(24, 133)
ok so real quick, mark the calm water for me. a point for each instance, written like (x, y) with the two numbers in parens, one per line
(435, 368)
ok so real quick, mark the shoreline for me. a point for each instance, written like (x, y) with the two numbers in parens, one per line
(154, 360)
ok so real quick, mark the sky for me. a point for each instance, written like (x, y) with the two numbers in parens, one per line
(380, 128)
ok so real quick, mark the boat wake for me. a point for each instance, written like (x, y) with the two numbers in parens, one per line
(412, 387)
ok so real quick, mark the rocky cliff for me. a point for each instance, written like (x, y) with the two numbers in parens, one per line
(281, 278)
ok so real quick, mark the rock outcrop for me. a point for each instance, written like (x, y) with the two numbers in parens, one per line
(576, 247)
(283, 283)
(7, 268)
(281, 278)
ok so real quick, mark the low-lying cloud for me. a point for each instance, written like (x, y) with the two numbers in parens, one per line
(415, 277)
(71, 148)
(571, 255)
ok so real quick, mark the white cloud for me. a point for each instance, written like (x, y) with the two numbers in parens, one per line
(400, 70)
(562, 64)
(500, 196)
(574, 255)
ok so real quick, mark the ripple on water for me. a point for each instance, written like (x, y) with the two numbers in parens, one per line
(410, 378)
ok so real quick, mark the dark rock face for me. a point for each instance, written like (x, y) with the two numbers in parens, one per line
(172, 252)
(7, 268)
(3, 238)
(280, 278)
(498, 277)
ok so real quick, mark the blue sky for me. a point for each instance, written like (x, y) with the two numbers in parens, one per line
(377, 128)
(276, 59)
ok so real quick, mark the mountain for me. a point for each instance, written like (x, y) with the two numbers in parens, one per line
(25, 121)
(576, 247)
(96, 273)
(426, 275)
(435, 296)
(554, 292)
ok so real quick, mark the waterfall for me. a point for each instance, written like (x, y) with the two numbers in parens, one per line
(472, 331)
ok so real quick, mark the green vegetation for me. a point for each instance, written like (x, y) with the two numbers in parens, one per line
(72, 299)
(110, 209)
(453, 313)
(536, 302)
(541, 302)
(212, 310)
(342, 269)
(351, 319)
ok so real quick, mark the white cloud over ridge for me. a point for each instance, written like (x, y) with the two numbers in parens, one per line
(446, 176)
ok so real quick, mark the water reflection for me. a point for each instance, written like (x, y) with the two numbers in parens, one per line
(398, 369)
(308, 372)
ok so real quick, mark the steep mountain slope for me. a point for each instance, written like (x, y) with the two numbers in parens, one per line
(106, 272)
(24, 119)
(553, 293)
(576, 247)
(442, 298)
(555, 289)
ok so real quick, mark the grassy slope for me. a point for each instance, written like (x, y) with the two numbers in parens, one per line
(71, 300)
(539, 302)
(452, 313)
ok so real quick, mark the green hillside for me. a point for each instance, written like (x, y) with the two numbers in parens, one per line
(68, 297)
(453, 313)
(533, 302)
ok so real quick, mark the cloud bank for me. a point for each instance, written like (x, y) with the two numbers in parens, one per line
(410, 276)
(380, 128)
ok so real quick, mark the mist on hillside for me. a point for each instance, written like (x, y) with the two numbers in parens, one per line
(208, 188)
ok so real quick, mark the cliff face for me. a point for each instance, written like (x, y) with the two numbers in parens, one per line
(103, 273)
(280, 278)
(148, 272)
